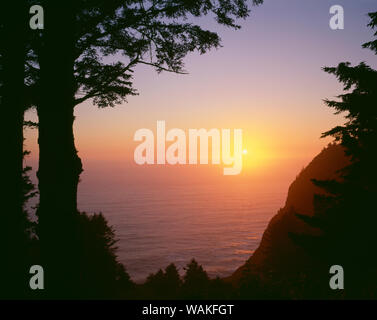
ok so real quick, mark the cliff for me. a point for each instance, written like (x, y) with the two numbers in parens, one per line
(276, 252)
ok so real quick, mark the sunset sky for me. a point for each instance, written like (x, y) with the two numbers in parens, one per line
(266, 80)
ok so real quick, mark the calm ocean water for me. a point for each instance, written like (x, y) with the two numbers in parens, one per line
(219, 226)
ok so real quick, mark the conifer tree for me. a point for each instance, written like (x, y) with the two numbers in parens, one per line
(346, 215)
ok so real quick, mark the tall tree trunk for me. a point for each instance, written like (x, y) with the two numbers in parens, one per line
(12, 242)
(59, 165)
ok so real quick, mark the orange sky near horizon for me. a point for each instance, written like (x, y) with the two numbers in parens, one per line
(266, 80)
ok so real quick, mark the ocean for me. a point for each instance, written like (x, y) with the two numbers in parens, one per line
(218, 225)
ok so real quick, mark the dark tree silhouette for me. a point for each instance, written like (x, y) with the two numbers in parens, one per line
(88, 50)
(163, 284)
(195, 285)
(195, 281)
(346, 215)
(173, 281)
(13, 35)
(103, 277)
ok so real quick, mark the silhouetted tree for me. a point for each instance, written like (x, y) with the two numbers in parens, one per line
(102, 275)
(88, 50)
(163, 284)
(13, 35)
(195, 285)
(153, 287)
(195, 281)
(173, 282)
(346, 215)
